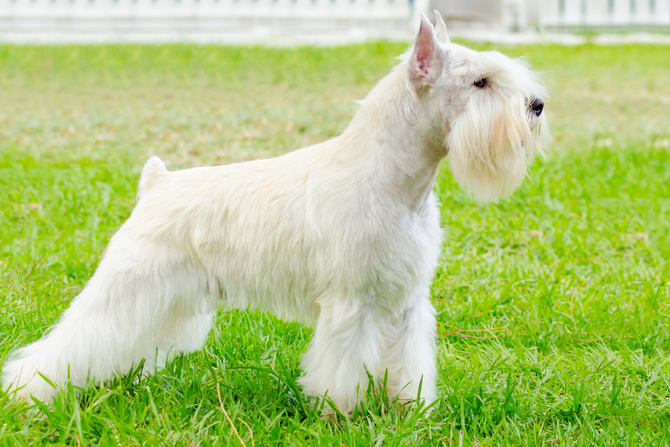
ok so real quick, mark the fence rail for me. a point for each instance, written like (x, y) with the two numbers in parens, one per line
(303, 21)
(206, 20)
(605, 15)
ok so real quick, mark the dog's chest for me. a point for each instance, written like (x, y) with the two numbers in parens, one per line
(387, 256)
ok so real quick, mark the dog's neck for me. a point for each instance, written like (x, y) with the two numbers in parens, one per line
(390, 137)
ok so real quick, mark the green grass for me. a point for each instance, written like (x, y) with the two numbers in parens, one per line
(554, 307)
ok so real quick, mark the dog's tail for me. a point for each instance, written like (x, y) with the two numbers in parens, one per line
(152, 172)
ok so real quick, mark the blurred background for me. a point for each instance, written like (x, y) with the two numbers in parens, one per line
(216, 81)
(282, 22)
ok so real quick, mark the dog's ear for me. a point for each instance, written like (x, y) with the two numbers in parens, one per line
(441, 29)
(425, 64)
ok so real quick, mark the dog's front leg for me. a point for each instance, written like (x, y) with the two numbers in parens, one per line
(409, 354)
(346, 346)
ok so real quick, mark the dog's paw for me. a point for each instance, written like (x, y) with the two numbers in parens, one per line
(22, 381)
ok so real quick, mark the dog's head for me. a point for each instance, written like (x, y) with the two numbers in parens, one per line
(487, 108)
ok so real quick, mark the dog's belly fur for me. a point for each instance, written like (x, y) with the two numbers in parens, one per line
(310, 253)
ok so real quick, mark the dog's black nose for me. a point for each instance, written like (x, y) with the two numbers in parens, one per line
(536, 106)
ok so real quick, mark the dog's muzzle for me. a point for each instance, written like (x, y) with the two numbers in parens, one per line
(536, 105)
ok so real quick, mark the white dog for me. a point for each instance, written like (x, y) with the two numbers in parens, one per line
(344, 235)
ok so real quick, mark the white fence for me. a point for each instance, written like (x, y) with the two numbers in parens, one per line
(306, 21)
(605, 15)
(249, 21)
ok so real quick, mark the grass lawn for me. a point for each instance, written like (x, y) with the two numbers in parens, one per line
(554, 305)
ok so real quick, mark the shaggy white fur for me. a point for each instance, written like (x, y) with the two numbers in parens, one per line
(344, 235)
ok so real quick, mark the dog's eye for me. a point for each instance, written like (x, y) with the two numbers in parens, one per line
(480, 83)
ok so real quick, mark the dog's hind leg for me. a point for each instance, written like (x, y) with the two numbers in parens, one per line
(115, 322)
(409, 355)
(346, 346)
